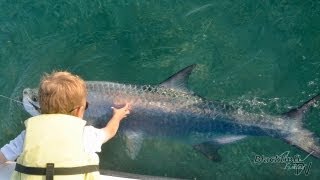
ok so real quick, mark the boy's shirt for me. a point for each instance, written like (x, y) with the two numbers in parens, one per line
(93, 138)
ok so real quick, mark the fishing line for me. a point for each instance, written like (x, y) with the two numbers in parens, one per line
(13, 100)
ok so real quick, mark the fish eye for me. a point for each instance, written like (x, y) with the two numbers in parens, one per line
(34, 98)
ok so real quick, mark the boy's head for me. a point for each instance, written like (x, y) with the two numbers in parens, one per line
(61, 92)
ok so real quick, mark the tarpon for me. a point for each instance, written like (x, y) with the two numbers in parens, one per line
(169, 110)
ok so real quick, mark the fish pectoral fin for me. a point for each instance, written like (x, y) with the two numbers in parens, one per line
(133, 141)
(228, 139)
(209, 150)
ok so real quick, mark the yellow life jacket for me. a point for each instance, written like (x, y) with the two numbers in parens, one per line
(56, 139)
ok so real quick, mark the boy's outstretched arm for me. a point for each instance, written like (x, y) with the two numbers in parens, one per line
(2, 158)
(113, 125)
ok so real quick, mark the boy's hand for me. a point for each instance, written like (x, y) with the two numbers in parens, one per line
(122, 112)
(113, 125)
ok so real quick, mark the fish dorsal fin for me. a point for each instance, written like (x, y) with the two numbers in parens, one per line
(179, 80)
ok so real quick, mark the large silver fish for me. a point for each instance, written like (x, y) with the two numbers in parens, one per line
(170, 110)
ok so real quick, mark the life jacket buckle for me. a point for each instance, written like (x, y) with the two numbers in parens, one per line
(49, 171)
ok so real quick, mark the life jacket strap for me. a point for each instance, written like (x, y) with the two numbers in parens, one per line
(49, 171)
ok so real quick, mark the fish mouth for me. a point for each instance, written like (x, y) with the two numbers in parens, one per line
(34, 105)
(30, 106)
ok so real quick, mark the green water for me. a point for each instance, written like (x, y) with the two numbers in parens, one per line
(262, 56)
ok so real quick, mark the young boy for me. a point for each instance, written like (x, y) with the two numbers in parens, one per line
(57, 142)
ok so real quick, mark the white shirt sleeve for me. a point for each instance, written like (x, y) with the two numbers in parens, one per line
(13, 150)
(93, 139)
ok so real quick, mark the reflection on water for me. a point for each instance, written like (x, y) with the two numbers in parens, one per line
(260, 56)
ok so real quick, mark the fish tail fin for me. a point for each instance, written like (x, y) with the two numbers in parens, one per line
(300, 136)
(305, 140)
(299, 112)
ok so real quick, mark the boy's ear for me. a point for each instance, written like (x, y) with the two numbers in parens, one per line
(79, 112)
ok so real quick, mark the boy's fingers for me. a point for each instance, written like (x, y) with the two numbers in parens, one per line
(126, 107)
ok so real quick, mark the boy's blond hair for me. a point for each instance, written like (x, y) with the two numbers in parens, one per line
(61, 92)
